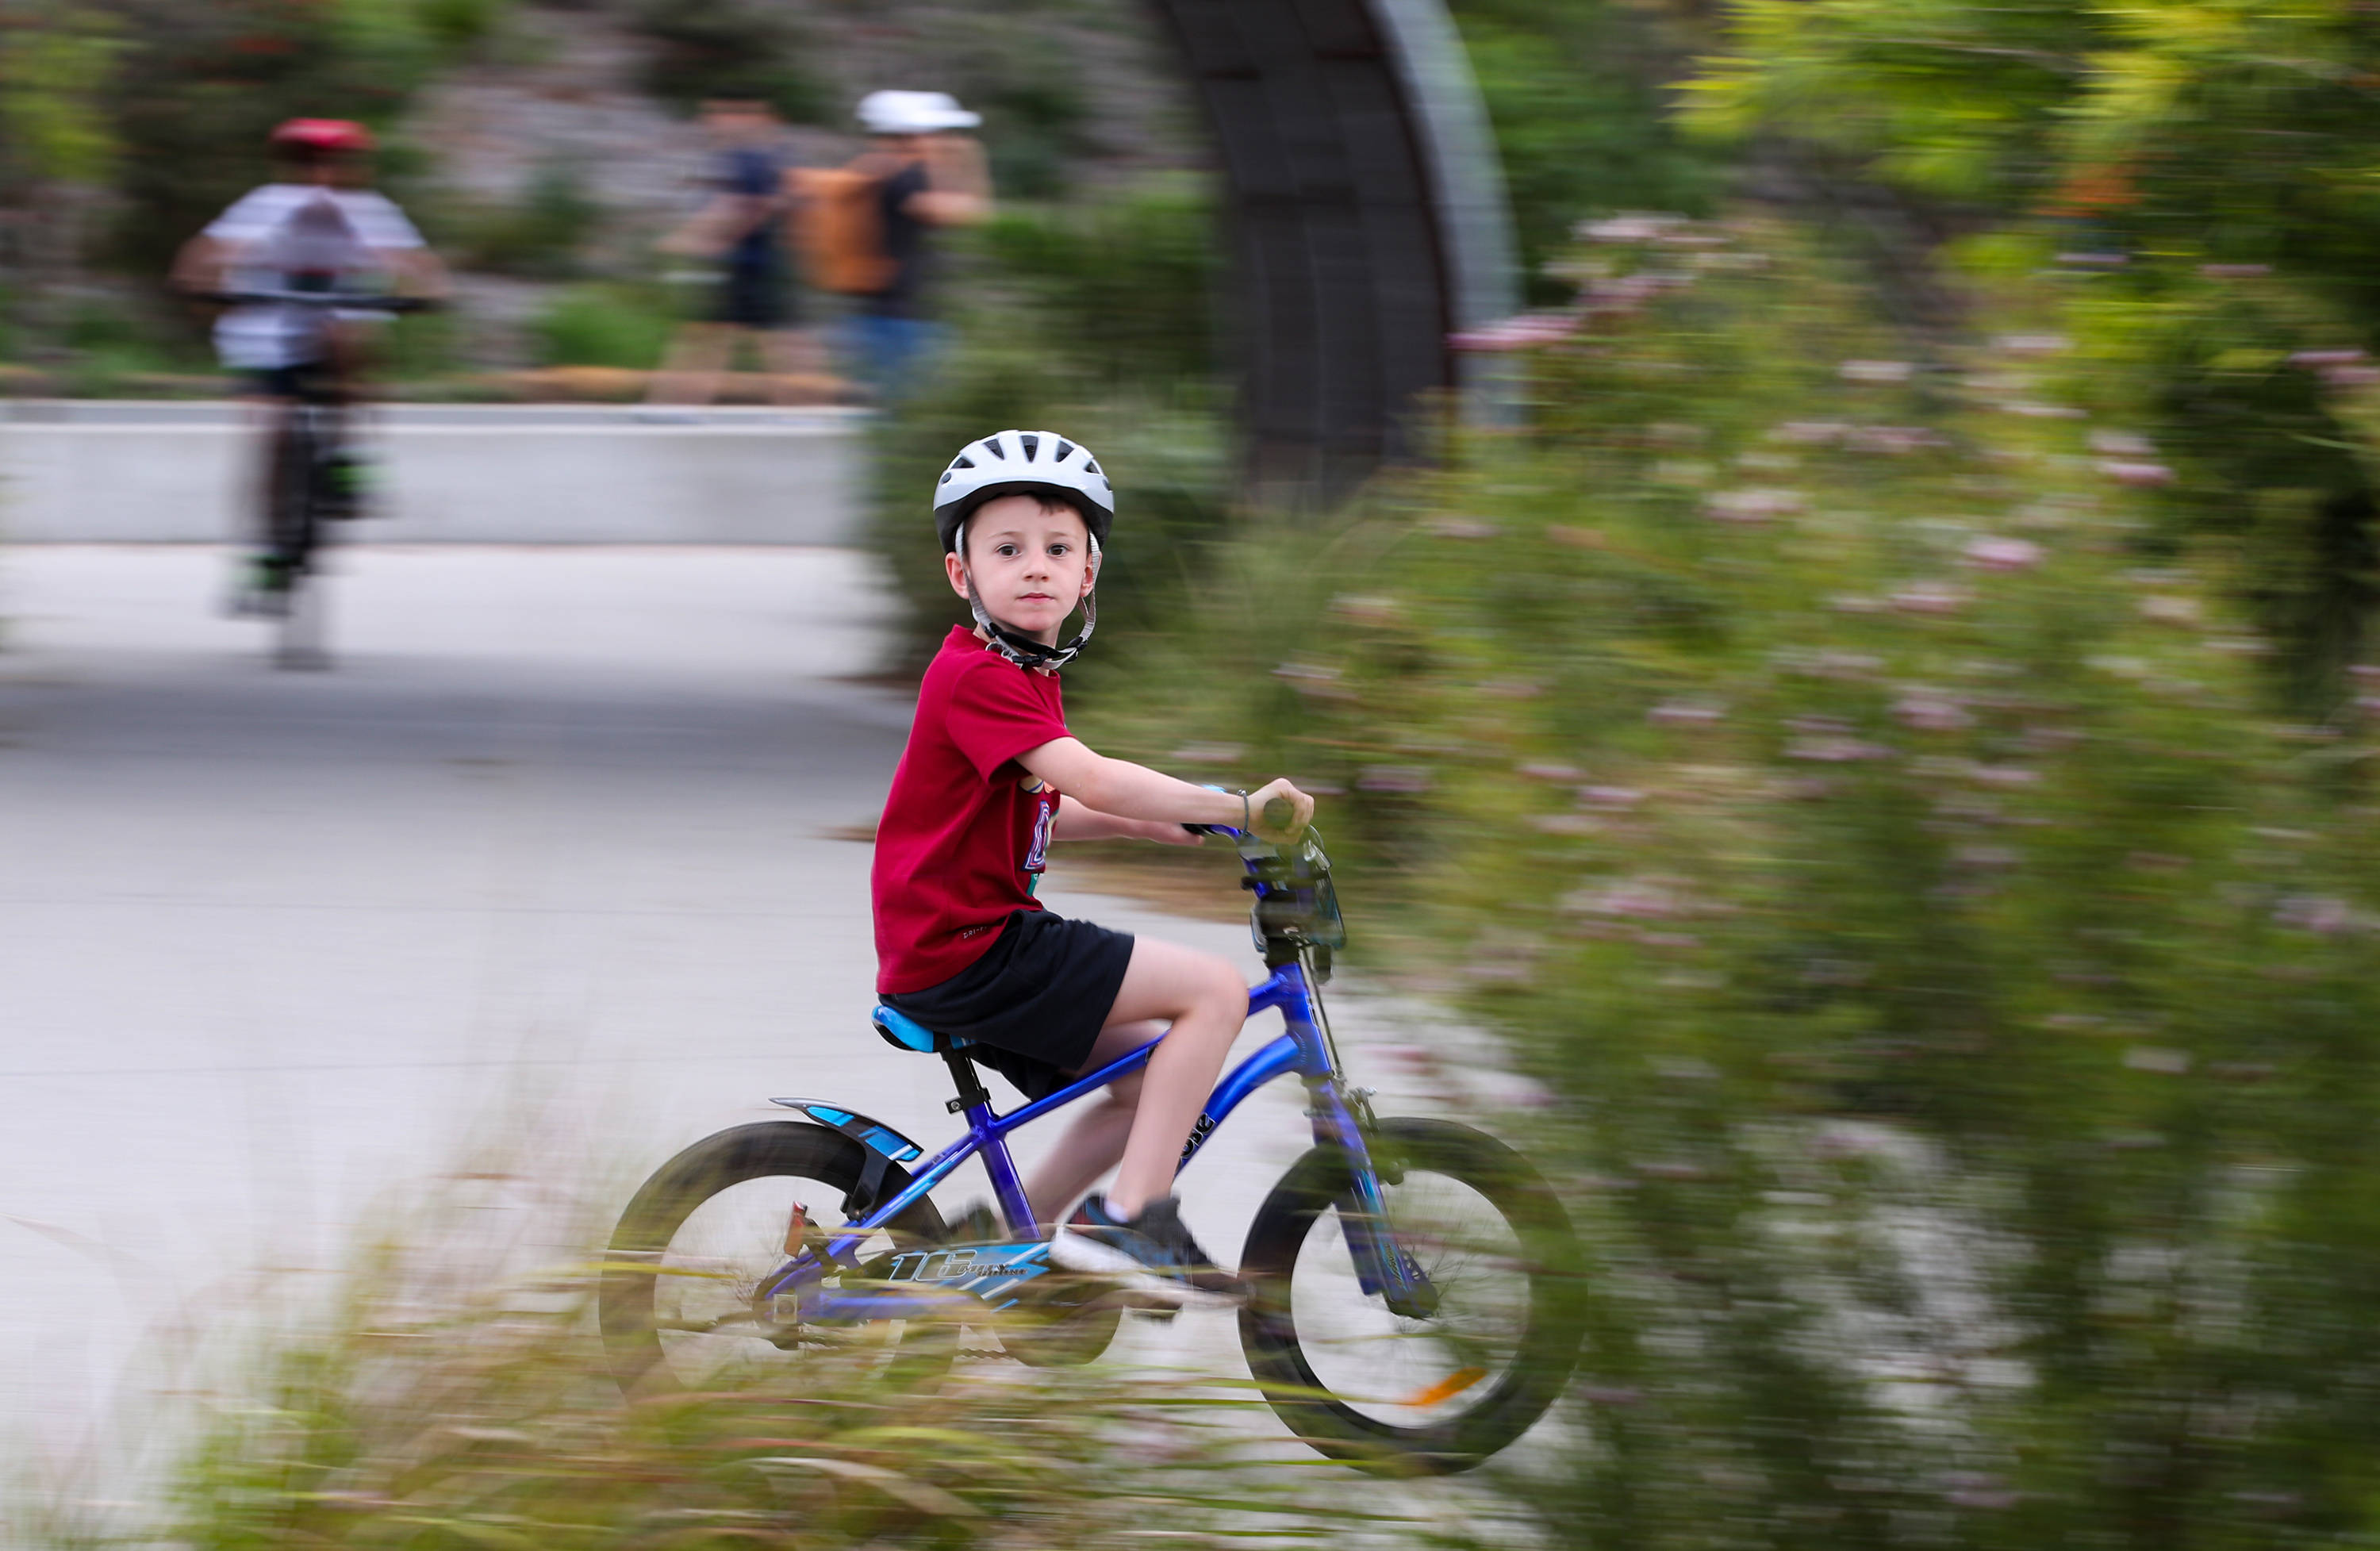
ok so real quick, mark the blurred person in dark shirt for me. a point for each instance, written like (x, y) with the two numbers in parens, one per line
(740, 229)
(926, 174)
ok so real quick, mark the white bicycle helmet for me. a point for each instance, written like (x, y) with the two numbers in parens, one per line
(1022, 463)
(1025, 463)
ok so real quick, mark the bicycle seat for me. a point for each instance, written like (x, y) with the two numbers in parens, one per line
(901, 1030)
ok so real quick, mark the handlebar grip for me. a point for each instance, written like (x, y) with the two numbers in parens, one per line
(1278, 813)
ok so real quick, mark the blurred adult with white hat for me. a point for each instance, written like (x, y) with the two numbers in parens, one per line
(923, 171)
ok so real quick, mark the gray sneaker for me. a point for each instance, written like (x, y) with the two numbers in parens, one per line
(1152, 1252)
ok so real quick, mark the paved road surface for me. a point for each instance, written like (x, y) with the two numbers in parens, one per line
(548, 864)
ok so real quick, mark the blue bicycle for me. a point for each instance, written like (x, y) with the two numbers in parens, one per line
(1411, 1300)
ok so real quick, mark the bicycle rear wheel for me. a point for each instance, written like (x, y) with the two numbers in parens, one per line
(678, 1296)
(1438, 1393)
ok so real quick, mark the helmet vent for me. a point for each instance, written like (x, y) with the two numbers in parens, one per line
(992, 444)
(1031, 443)
(961, 461)
(946, 475)
(1065, 449)
(1090, 466)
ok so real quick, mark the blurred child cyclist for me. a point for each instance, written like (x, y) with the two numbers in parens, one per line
(990, 778)
(316, 228)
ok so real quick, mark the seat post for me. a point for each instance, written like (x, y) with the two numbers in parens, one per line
(963, 1076)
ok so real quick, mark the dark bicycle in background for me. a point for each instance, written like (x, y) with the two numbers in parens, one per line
(313, 478)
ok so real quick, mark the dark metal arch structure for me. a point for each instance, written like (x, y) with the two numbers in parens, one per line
(1367, 214)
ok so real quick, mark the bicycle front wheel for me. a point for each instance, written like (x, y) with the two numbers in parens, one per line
(678, 1300)
(1439, 1391)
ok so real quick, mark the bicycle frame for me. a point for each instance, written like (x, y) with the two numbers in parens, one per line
(799, 1287)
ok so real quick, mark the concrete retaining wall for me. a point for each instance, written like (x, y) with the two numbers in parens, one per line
(98, 471)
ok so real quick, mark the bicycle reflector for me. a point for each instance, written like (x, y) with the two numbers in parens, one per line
(1297, 906)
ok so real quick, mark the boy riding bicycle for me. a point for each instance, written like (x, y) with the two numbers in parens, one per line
(990, 777)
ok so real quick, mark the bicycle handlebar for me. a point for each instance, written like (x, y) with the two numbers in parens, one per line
(1278, 812)
(344, 301)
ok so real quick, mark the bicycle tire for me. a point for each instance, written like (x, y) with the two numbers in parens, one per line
(296, 527)
(1542, 1358)
(703, 1173)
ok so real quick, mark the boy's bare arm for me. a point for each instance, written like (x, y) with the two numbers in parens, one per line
(1079, 821)
(1124, 789)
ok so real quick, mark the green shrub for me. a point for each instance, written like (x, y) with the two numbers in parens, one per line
(1951, 990)
(1578, 96)
(603, 325)
(199, 88)
(542, 236)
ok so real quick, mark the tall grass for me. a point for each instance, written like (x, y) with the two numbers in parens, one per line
(453, 1393)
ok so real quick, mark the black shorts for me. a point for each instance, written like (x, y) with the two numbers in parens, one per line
(754, 297)
(1035, 1003)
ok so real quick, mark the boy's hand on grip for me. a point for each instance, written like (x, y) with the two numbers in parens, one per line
(1281, 811)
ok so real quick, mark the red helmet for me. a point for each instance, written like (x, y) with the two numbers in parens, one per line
(323, 134)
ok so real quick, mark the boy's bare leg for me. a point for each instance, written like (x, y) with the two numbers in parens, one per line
(1206, 1000)
(1096, 1140)
(789, 354)
(690, 373)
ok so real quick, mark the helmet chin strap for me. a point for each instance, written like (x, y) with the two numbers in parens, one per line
(1023, 649)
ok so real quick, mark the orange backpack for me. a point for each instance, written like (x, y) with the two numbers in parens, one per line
(839, 231)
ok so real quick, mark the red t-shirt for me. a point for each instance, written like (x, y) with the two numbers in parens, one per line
(965, 827)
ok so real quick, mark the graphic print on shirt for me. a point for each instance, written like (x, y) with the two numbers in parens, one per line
(1045, 819)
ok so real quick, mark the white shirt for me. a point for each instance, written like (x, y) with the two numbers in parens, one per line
(283, 229)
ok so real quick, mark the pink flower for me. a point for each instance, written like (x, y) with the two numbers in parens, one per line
(2314, 912)
(1461, 527)
(1393, 777)
(1929, 712)
(1992, 554)
(1524, 331)
(1752, 505)
(1642, 900)
(1835, 750)
(1899, 440)
(1931, 598)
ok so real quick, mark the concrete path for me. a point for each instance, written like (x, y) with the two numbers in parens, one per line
(548, 867)
(111, 471)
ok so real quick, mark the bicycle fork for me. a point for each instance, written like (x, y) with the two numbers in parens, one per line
(1384, 1268)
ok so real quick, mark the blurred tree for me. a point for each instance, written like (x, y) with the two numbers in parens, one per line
(1580, 98)
(201, 87)
(57, 62)
(2181, 154)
